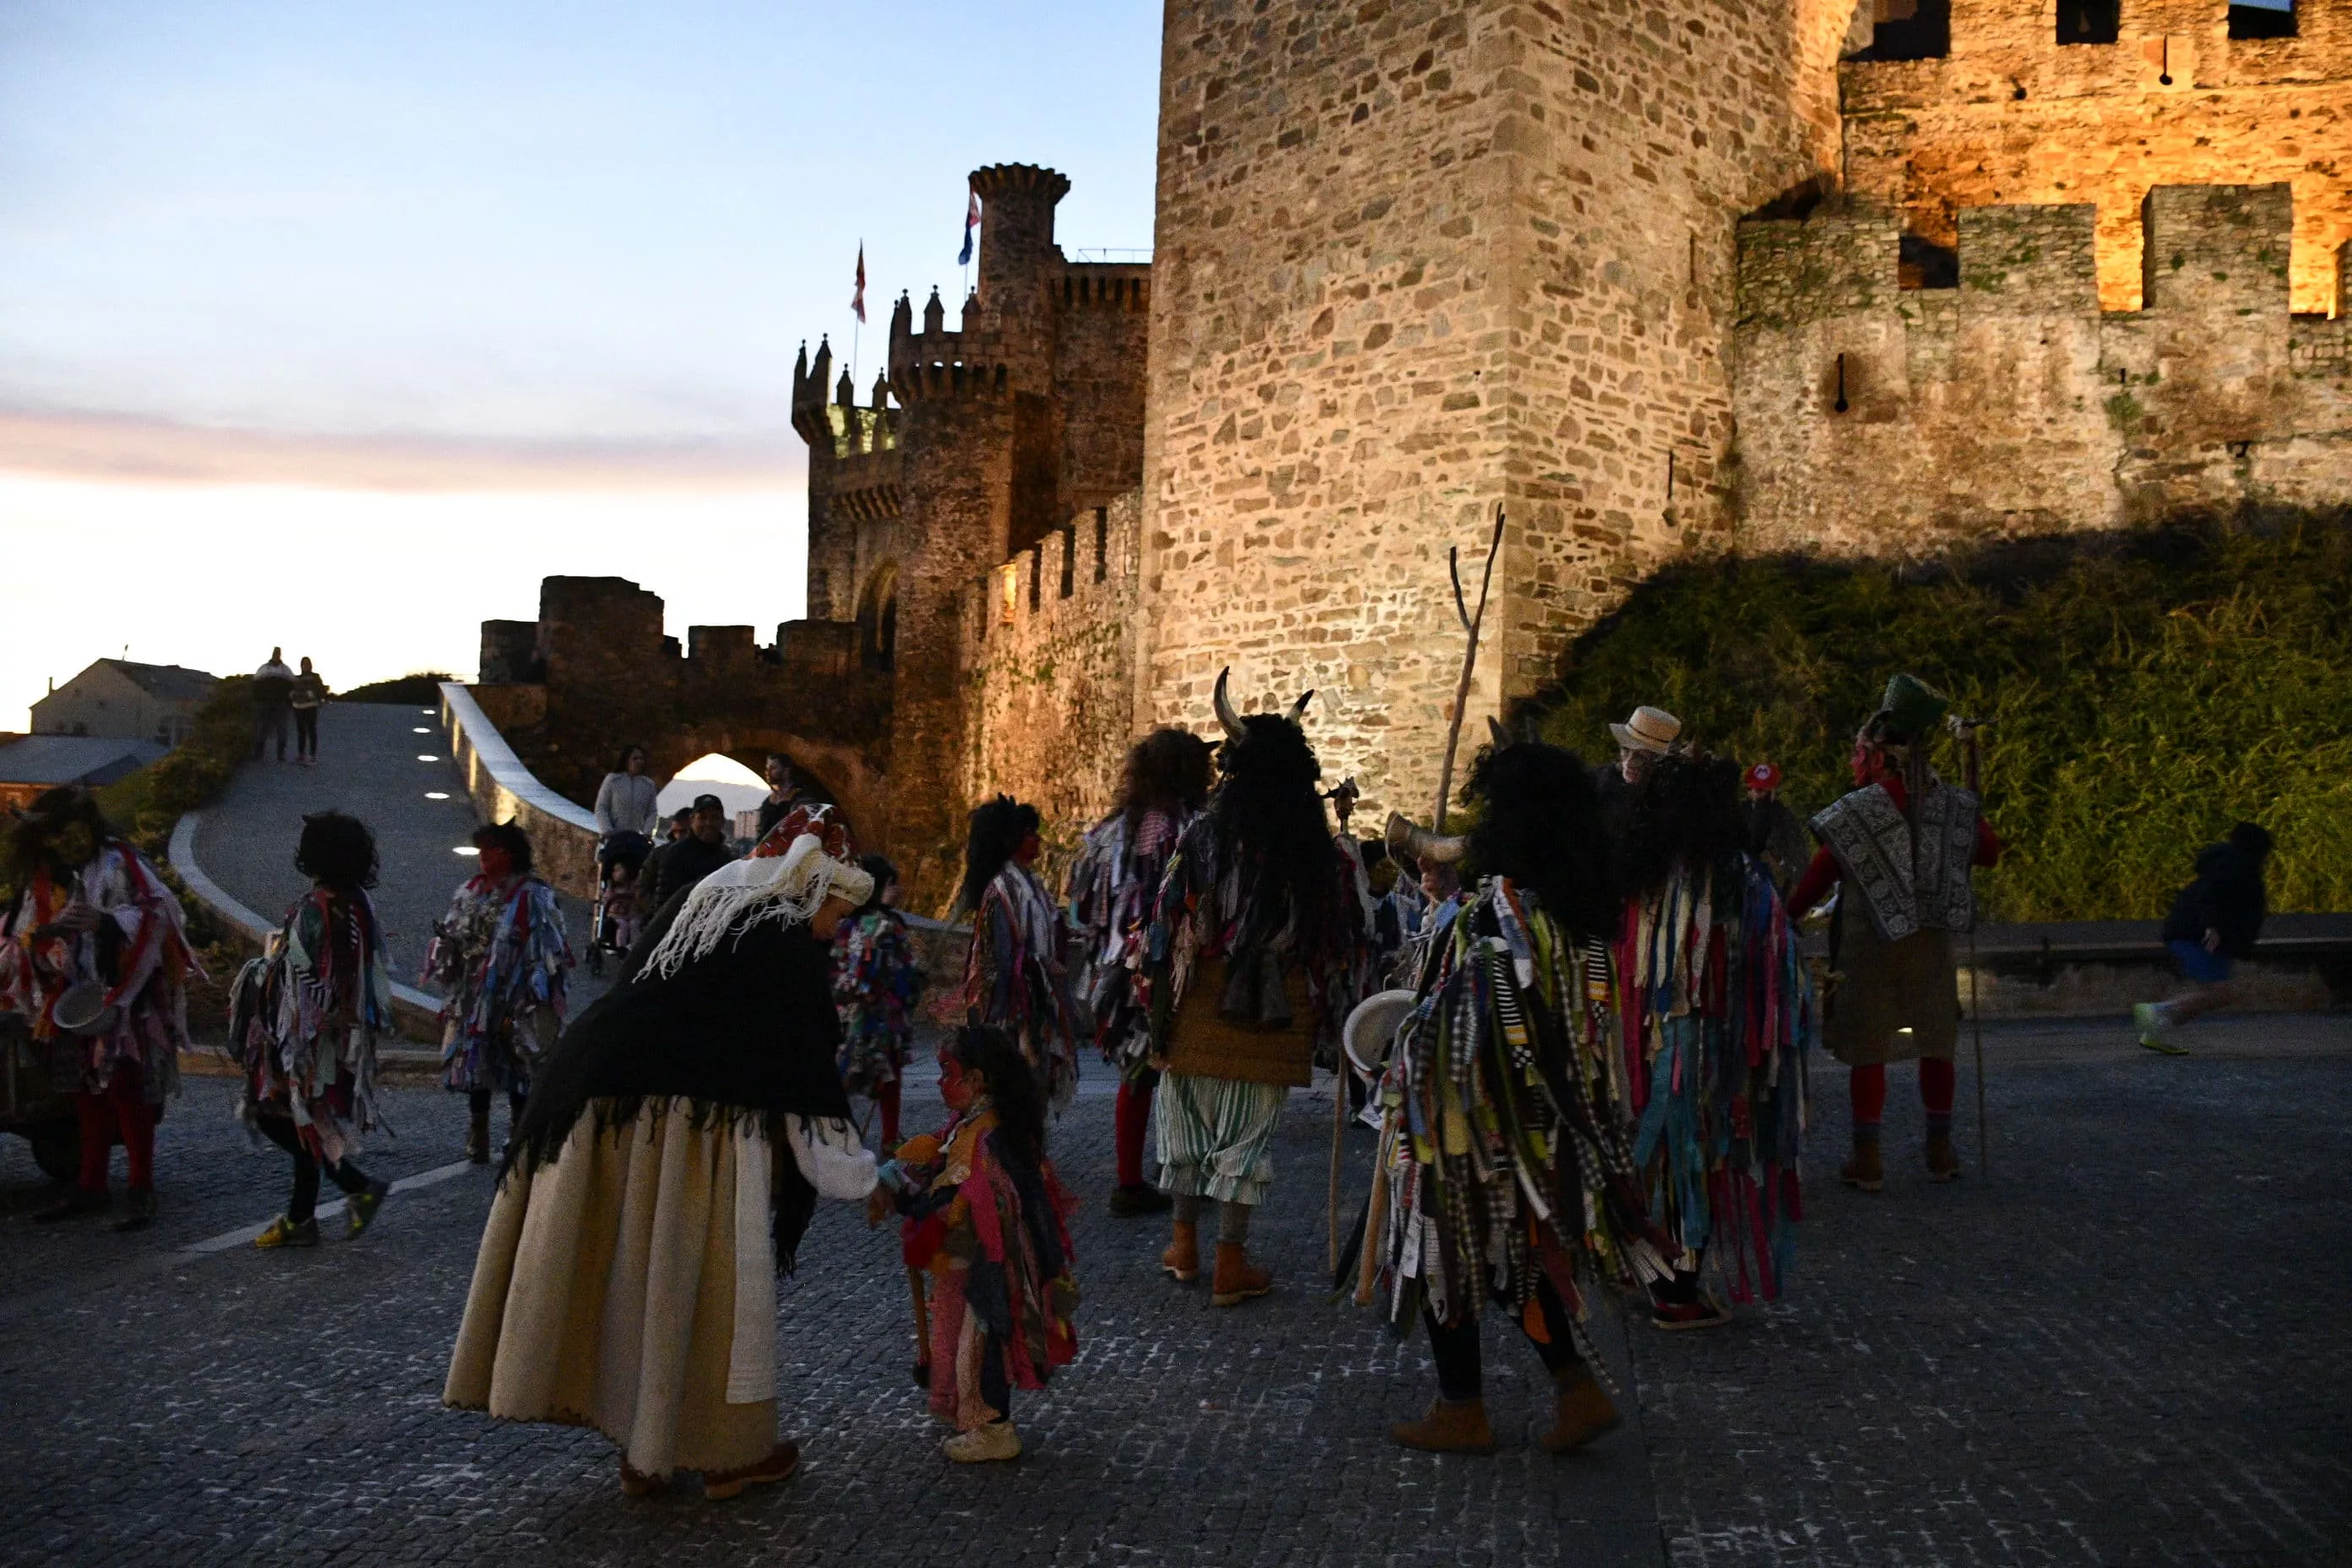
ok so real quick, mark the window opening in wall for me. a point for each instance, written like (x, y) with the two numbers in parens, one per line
(2262, 19)
(1102, 544)
(2089, 21)
(1908, 30)
(1036, 575)
(878, 620)
(1069, 560)
(1921, 263)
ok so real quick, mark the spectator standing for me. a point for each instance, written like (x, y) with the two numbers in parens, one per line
(1774, 834)
(1650, 733)
(625, 801)
(273, 691)
(698, 855)
(679, 828)
(2215, 921)
(785, 795)
(306, 697)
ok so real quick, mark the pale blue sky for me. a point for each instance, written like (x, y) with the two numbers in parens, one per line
(419, 273)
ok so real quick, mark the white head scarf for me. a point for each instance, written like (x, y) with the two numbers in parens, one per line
(787, 889)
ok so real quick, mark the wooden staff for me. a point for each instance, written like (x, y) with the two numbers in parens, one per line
(1972, 770)
(1470, 624)
(922, 1315)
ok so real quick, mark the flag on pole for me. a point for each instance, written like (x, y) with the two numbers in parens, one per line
(970, 221)
(858, 300)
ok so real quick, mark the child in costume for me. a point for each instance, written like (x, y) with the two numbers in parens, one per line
(875, 981)
(986, 1228)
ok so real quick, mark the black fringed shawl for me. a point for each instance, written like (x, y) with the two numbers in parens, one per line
(749, 1031)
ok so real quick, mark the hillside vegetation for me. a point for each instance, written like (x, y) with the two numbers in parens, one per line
(2146, 690)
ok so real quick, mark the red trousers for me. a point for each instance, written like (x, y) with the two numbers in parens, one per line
(1867, 1089)
(120, 1108)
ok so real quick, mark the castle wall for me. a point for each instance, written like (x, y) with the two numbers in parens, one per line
(1414, 260)
(1048, 642)
(2012, 404)
(1098, 376)
(2013, 116)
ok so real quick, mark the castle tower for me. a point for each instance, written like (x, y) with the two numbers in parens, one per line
(1417, 258)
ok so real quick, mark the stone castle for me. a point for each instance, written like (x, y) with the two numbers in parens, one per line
(1659, 278)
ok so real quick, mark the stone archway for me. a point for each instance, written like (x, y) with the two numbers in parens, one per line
(845, 773)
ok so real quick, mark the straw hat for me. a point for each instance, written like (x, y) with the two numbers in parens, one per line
(83, 1009)
(1649, 729)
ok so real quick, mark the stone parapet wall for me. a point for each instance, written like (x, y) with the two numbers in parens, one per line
(2011, 115)
(1874, 419)
(1049, 670)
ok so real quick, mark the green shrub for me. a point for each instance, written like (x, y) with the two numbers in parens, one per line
(2148, 690)
(420, 688)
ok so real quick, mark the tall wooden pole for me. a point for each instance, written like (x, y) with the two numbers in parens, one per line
(1471, 624)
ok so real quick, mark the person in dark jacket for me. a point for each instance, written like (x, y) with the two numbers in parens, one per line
(2215, 921)
(698, 853)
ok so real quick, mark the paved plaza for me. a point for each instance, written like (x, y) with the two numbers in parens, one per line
(2128, 1346)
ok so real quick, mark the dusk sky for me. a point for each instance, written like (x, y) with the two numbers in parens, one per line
(336, 326)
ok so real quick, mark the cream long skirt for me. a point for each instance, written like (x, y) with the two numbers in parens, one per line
(631, 1286)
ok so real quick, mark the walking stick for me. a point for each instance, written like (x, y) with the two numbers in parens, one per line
(1470, 624)
(922, 1315)
(1972, 770)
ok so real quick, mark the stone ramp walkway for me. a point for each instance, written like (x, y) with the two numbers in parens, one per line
(384, 764)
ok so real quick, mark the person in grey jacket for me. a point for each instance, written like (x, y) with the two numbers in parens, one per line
(625, 801)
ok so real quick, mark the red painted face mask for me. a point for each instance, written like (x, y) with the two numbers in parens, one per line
(1031, 847)
(498, 862)
(954, 1087)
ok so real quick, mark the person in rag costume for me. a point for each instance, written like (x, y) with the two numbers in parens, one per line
(875, 981)
(1112, 884)
(1017, 972)
(673, 1151)
(1718, 1009)
(94, 955)
(500, 956)
(303, 1021)
(986, 1229)
(1504, 1169)
(1775, 834)
(1900, 846)
(1257, 949)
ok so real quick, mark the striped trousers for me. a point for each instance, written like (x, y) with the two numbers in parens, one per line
(1215, 1136)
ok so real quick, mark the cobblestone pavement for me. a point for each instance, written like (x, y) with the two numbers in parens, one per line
(375, 764)
(2125, 1348)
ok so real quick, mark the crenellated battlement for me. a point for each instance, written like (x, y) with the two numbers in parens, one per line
(1870, 414)
(1106, 286)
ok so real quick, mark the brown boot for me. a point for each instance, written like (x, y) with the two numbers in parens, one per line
(1943, 1160)
(780, 1463)
(1582, 1413)
(1237, 1279)
(1181, 1261)
(1448, 1429)
(478, 1138)
(1863, 1171)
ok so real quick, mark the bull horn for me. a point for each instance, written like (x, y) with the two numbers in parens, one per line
(1298, 708)
(1421, 843)
(1226, 714)
(1497, 735)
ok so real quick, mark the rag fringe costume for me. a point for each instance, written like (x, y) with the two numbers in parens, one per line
(303, 1020)
(1717, 1011)
(499, 955)
(120, 1075)
(1016, 976)
(875, 981)
(991, 1236)
(668, 1166)
(1112, 886)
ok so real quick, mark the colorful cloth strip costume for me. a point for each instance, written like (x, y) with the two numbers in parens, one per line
(500, 956)
(1016, 976)
(1112, 886)
(875, 981)
(304, 1019)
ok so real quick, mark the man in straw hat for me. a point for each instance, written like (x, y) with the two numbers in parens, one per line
(1258, 948)
(94, 955)
(1647, 735)
(1901, 844)
(1504, 1166)
(673, 1151)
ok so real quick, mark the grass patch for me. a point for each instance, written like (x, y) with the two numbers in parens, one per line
(2147, 688)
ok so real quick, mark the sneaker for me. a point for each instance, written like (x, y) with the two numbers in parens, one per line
(362, 1206)
(142, 1215)
(2156, 1029)
(73, 1206)
(996, 1440)
(284, 1232)
(1675, 1316)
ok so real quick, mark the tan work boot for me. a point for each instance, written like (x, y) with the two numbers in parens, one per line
(1450, 1427)
(1181, 1261)
(478, 1138)
(983, 1444)
(1237, 1279)
(1943, 1160)
(1863, 1171)
(1581, 1413)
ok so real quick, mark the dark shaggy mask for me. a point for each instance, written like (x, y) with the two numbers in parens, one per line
(1539, 825)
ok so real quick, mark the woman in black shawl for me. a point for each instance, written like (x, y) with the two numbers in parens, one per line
(677, 1140)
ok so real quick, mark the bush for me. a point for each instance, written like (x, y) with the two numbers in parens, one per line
(420, 688)
(2148, 690)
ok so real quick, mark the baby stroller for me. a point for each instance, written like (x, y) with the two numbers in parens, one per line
(619, 858)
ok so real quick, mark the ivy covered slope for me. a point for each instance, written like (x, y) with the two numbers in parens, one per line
(2147, 689)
